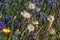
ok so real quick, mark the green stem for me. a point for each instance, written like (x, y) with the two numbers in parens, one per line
(23, 32)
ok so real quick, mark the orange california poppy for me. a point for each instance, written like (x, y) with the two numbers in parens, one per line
(6, 31)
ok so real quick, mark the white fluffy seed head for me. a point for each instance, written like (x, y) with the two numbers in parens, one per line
(30, 27)
(50, 18)
(35, 22)
(26, 14)
(31, 6)
(52, 31)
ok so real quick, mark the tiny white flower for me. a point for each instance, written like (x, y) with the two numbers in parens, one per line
(26, 14)
(52, 31)
(30, 27)
(50, 18)
(35, 22)
(31, 6)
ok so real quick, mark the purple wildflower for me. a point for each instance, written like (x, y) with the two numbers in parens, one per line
(0, 4)
(43, 16)
(31, 36)
(6, 6)
(6, 1)
(17, 24)
(5, 19)
(44, 33)
(35, 1)
(2, 1)
(1, 9)
(11, 19)
(59, 24)
(2, 25)
(53, 3)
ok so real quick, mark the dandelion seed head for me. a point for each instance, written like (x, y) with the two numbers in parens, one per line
(50, 18)
(31, 6)
(52, 31)
(35, 22)
(26, 14)
(30, 27)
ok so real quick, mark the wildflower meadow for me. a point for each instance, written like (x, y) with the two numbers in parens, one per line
(29, 19)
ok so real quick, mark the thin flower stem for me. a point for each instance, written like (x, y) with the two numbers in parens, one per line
(38, 30)
(27, 35)
(10, 37)
(49, 26)
(23, 32)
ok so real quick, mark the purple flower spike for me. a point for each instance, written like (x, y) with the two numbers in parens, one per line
(58, 24)
(37, 2)
(6, 6)
(7, 1)
(2, 25)
(52, 3)
(43, 16)
(0, 4)
(5, 19)
(31, 36)
(17, 24)
(2, 1)
(11, 19)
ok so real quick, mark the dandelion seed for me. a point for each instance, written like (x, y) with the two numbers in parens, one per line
(31, 6)
(30, 27)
